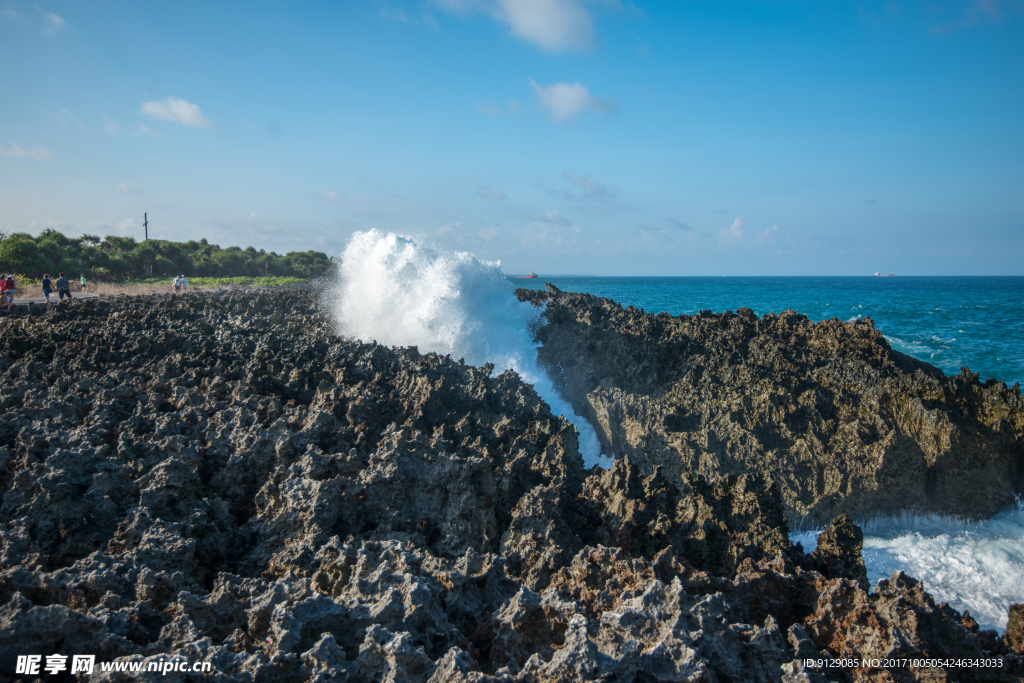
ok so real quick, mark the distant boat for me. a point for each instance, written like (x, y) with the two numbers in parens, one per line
(877, 274)
(531, 276)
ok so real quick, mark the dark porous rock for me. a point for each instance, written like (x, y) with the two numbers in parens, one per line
(221, 478)
(827, 411)
(839, 551)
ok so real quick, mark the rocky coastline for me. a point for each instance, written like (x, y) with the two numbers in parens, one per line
(221, 478)
(828, 411)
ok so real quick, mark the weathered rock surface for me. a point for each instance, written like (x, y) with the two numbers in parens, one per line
(827, 411)
(220, 478)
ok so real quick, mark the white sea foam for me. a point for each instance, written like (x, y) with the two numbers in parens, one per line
(399, 291)
(973, 566)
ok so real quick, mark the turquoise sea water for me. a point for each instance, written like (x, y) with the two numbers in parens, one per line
(949, 322)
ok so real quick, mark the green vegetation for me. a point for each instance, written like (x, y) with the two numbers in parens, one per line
(122, 258)
(194, 282)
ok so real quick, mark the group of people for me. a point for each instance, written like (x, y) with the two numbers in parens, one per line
(181, 285)
(8, 287)
(63, 286)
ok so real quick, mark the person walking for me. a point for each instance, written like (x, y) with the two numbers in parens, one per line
(177, 284)
(7, 288)
(47, 286)
(83, 283)
(64, 288)
(184, 285)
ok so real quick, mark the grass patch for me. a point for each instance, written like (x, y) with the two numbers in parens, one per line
(156, 285)
(200, 282)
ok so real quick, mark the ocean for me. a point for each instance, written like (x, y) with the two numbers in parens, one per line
(400, 291)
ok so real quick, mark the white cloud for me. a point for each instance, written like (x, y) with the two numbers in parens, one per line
(488, 234)
(732, 234)
(767, 234)
(566, 101)
(178, 110)
(127, 225)
(555, 25)
(53, 22)
(16, 150)
(332, 195)
(553, 217)
(128, 187)
(252, 216)
(490, 193)
(591, 188)
(9, 12)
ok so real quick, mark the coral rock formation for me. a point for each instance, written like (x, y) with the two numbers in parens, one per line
(221, 478)
(828, 411)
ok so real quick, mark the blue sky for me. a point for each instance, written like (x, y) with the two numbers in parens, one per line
(562, 136)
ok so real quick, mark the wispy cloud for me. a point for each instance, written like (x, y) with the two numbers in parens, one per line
(52, 23)
(591, 188)
(400, 15)
(13, 149)
(490, 109)
(128, 187)
(679, 225)
(9, 12)
(108, 128)
(565, 101)
(554, 25)
(177, 110)
(143, 129)
(490, 193)
(335, 196)
(554, 230)
(977, 12)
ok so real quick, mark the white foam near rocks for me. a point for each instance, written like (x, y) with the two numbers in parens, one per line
(974, 566)
(398, 291)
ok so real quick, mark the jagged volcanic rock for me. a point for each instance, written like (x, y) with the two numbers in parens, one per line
(219, 477)
(827, 411)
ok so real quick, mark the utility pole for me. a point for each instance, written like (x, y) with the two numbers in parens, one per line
(145, 224)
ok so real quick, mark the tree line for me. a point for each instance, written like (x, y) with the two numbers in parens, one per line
(122, 258)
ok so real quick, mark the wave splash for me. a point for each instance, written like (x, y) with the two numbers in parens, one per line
(976, 566)
(398, 291)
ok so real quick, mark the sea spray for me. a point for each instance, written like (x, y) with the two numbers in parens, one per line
(399, 291)
(974, 566)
